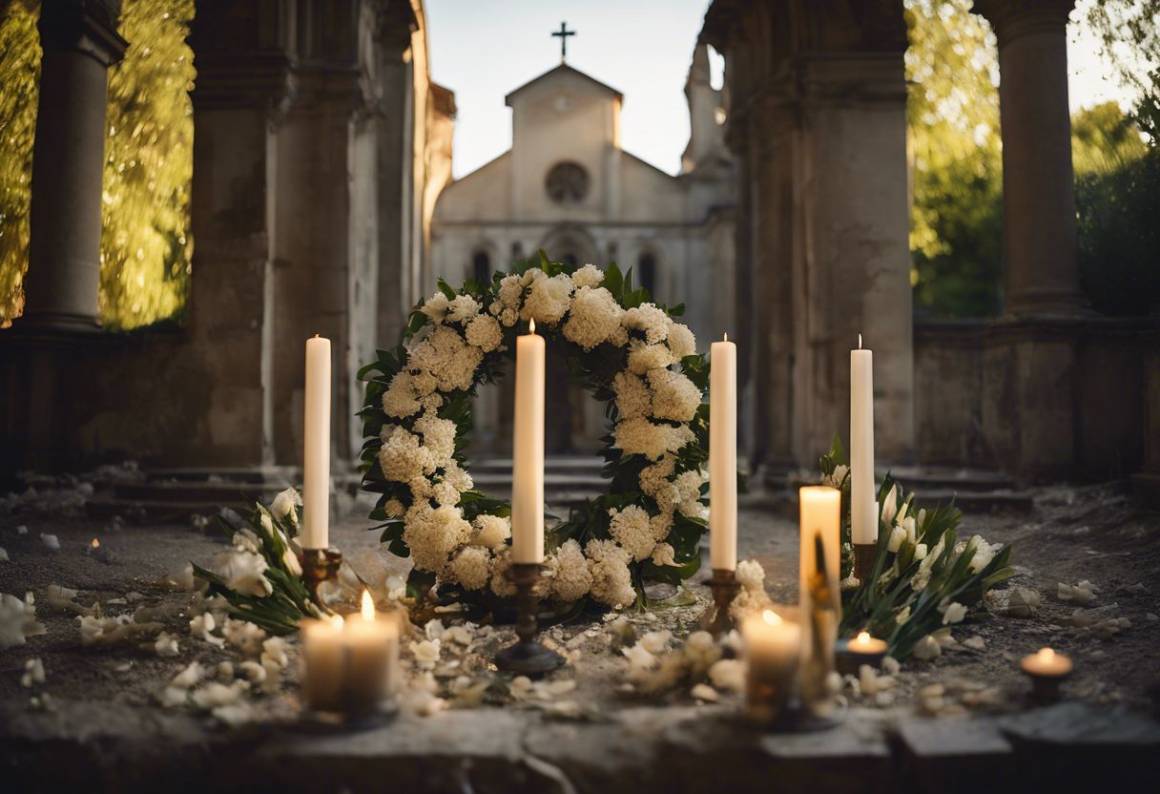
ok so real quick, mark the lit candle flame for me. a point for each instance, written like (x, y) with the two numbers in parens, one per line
(531, 326)
(863, 638)
(96, 544)
(1046, 654)
(771, 617)
(726, 336)
(336, 621)
(859, 341)
(368, 606)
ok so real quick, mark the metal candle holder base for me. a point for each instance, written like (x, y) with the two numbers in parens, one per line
(527, 656)
(717, 620)
(864, 554)
(318, 566)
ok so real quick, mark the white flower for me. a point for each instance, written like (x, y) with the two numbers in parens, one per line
(245, 636)
(639, 658)
(674, 395)
(501, 585)
(244, 572)
(492, 531)
(608, 566)
(984, 553)
(594, 318)
(750, 575)
(838, 476)
(920, 551)
(630, 527)
(572, 580)
(290, 560)
(33, 673)
(283, 505)
(436, 307)
(394, 508)
(447, 357)
(908, 526)
(201, 627)
(588, 276)
(903, 615)
(663, 555)
(17, 620)
(462, 308)
(274, 653)
(641, 437)
(650, 320)
(890, 505)
(633, 399)
(954, 613)
(643, 357)
(897, 536)
(681, 340)
(484, 332)
(655, 477)
(548, 299)
(245, 540)
(472, 567)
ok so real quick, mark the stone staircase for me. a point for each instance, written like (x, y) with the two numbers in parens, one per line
(973, 490)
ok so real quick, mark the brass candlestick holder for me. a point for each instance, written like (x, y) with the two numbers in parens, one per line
(318, 566)
(717, 620)
(864, 554)
(527, 656)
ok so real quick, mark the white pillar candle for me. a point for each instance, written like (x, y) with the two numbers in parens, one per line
(863, 514)
(772, 654)
(316, 455)
(349, 666)
(723, 455)
(820, 513)
(528, 450)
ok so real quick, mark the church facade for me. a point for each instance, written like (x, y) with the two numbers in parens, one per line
(568, 187)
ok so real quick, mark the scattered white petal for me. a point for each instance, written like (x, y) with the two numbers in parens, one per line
(705, 693)
(33, 673)
(50, 541)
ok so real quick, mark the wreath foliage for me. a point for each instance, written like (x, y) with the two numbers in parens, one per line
(630, 353)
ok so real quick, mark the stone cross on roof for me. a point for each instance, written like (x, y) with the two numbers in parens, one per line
(563, 33)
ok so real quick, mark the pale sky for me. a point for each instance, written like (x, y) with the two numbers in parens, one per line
(482, 49)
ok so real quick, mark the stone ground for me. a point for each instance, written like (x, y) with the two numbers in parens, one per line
(104, 727)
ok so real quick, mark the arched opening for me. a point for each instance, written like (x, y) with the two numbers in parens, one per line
(480, 267)
(517, 251)
(646, 272)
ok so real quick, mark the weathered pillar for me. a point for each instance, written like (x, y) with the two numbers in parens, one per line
(80, 43)
(1039, 226)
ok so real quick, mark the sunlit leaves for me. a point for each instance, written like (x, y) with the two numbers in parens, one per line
(145, 242)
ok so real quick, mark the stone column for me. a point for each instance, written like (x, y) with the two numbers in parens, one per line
(80, 43)
(1039, 224)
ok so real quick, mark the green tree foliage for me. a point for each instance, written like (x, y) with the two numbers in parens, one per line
(1130, 32)
(956, 160)
(145, 242)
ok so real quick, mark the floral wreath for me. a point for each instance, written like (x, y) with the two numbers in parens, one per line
(629, 352)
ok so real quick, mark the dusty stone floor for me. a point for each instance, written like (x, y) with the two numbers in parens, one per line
(103, 723)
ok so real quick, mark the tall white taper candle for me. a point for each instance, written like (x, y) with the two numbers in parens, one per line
(528, 450)
(863, 514)
(723, 455)
(316, 455)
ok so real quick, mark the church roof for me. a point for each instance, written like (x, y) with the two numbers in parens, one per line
(559, 70)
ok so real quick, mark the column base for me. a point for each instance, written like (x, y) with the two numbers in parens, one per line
(58, 322)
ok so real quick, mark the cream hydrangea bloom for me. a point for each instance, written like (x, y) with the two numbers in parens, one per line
(594, 317)
(642, 437)
(649, 319)
(656, 476)
(630, 527)
(632, 395)
(438, 437)
(588, 276)
(501, 585)
(472, 567)
(663, 555)
(572, 580)
(462, 308)
(608, 567)
(402, 456)
(492, 531)
(399, 400)
(643, 357)
(484, 332)
(674, 395)
(436, 307)
(548, 298)
(433, 533)
(447, 356)
(681, 340)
